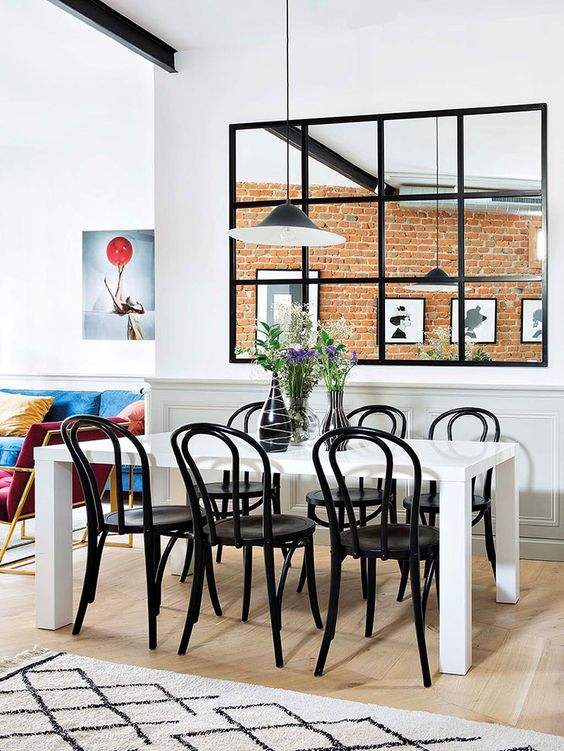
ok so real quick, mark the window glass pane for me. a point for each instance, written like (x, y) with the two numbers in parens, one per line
(502, 151)
(251, 258)
(410, 157)
(503, 236)
(343, 159)
(504, 319)
(357, 304)
(358, 222)
(418, 324)
(411, 237)
(260, 165)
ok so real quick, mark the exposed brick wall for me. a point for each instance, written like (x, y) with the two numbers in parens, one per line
(496, 243)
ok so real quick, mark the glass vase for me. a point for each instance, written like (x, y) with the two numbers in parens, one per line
(274, 426)
(305, 422)
(335, 417)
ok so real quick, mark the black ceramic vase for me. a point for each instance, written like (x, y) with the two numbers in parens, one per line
(274, 426)
(335, 417)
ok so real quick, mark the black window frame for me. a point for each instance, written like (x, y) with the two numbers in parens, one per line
(380, 198)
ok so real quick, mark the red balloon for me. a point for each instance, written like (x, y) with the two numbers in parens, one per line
(119, 251)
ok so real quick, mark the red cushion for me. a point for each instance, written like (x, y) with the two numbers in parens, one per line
(11, 489)
(135, 413)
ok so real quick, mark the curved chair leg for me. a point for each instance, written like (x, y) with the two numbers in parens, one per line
(223, 515)
(404, 566)
(303, 576)
(429, 573)
(371, 596)
(94, 556)
(187, 559)
(303, 572)
(363, 574)
(419, 619)
(332, 611)
(150, 547)
(275, 619)
(195, 597)
(290, 550)
(489, 539)
(309, 559)
(160, 572)
(212, 589)
(247, 582)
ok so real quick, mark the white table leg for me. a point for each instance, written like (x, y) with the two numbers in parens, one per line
(455, 632)
(53, 532)
(507, 531)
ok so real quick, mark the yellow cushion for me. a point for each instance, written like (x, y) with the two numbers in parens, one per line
(18, 412)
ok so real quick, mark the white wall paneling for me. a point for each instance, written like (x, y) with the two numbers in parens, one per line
(531, 416)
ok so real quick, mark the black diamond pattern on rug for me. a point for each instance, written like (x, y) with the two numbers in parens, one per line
(63, 702)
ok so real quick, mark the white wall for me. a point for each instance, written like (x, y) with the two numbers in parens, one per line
(76, 153)
(401, 65)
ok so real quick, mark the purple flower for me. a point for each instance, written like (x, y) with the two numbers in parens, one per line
(354, 357)
(332, 352)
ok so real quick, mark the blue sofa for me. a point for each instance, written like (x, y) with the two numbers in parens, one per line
(104, 403)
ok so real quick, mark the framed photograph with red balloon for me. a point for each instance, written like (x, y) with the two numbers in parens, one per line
(118, 284)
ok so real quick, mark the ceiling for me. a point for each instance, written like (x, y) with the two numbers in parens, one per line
(188, 24)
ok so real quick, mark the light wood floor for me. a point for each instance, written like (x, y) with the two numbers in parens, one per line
(517, 678)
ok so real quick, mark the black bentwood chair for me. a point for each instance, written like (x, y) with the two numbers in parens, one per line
(222, 492)
(406, 543)
(153, 522)
(267, 530)
(481, 504)
(361, 497)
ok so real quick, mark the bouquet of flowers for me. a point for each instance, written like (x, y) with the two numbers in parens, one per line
(300, 372)
(335, 363)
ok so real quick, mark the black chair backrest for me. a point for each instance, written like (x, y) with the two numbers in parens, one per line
(94, 511)
(396, 416)
(381, 440)
(196, 487)
(246, 411)
(491, 430)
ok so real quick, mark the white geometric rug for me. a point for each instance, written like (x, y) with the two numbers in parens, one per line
(57, 701)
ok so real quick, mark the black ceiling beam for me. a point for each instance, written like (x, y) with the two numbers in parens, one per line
(107, 20)
(331, 159)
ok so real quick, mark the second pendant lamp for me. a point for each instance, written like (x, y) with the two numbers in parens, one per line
(286, 224)
(436, 280)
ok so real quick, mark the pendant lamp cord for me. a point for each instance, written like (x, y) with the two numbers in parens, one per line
(287, 104)
(437, 183)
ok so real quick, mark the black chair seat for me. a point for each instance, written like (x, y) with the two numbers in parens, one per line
(284, 528)
(224, 490)
(430, 502)
(166, 518)
(358, 496)
(398, 540)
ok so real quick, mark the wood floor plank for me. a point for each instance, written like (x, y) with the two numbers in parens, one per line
(517, 677)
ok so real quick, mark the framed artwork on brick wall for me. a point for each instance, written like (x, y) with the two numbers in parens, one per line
(405, 320)
(273, 299)
(531, 320)
(480, 320)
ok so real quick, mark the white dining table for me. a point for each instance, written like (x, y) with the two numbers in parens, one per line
(452, 464)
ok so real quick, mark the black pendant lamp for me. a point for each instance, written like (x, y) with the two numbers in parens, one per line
(436, 280)
(287, 224)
